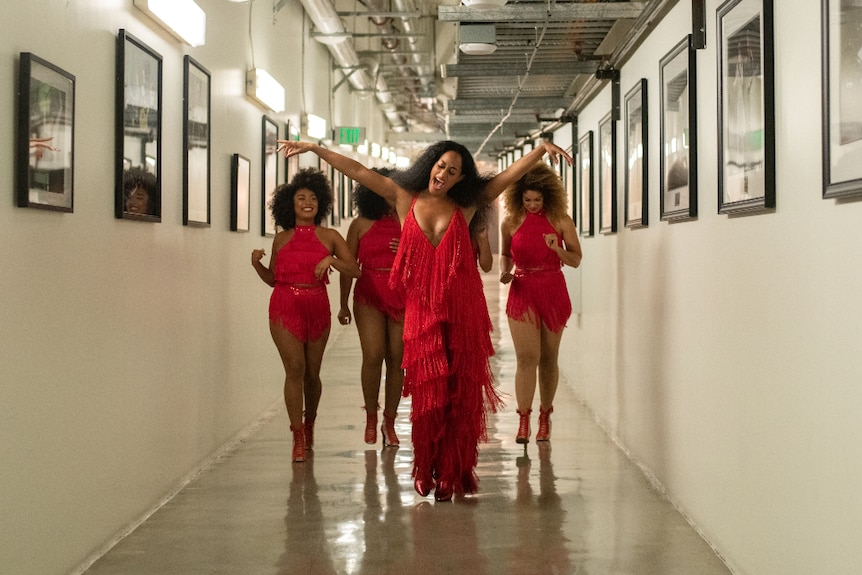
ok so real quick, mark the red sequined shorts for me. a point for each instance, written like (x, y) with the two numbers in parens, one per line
(372, 289)
(303, 311)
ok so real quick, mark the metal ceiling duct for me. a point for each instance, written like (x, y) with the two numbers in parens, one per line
(328, 22)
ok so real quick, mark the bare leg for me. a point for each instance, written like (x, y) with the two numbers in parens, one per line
(527, 341)
(371, 325)
(313, 387)
(292, 353)
(549, 369)
(394, 371)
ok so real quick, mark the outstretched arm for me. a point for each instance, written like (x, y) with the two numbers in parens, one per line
(377, 183)
(513, 173)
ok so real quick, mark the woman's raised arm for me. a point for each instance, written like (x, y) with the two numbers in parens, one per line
(379, 184)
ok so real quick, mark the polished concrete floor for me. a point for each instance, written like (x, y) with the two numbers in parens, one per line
(571, 505)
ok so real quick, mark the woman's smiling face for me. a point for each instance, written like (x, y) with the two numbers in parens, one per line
(305, 205)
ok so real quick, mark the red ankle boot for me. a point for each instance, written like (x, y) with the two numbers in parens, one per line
(370, 427)
(388, 431)
(298, 443)
(544, 433)
(524, 427)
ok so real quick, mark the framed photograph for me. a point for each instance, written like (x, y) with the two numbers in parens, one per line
(607, 175)
(138, 131)
(45, 139)
(746, 111)
(240, 193)
(196, 144)
(585, 184)
(637, 157)
(842, 98)
(269, 173)
(678, 138)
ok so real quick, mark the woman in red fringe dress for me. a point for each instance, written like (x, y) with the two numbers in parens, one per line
(446, 323)
(299, 313)
(538, 239)
(373, 238)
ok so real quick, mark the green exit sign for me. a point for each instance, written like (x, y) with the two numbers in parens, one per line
(350, 136)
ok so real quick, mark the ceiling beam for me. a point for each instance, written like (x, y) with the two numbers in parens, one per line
(456, 119)
(540, 13)
(550, 103)
(572, 68)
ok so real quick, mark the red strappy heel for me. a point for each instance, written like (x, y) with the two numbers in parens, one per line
(388, 431)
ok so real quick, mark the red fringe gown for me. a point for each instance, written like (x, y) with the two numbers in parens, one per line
(446, 350)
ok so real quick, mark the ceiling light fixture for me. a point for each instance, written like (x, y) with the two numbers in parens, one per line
(261, 86)
(184, 19)
(477, 39)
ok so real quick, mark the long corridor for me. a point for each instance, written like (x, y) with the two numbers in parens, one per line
(575, 504)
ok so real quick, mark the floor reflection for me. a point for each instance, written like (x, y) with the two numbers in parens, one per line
(306, 550)
(386, 537)
(541, 547)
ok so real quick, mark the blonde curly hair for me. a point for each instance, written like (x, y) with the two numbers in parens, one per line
(541, 178)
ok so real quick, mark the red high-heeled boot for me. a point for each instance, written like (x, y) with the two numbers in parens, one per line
(309, 432)
(370, 427)
(388, 431)
(298, 443)
(523, 427)
(544, 433)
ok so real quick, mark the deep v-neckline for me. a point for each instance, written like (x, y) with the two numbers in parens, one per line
(425, 235)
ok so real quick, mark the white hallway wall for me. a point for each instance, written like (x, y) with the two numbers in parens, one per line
(724, 353)
(130, 352)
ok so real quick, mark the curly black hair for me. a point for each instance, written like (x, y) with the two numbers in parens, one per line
(540, 178)
(368, 204)
(305, 179)
(140, 178)
(465, 193)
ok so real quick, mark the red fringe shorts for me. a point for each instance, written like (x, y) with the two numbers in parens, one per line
(303, 311)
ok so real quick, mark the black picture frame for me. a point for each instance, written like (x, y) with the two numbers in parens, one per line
(138, 131)
(291, 164)
(607, 169)
(240, 193)
(637, 156)
(586, 191)
(269, 173)
(197, 87)
(746, 110)
(842, 99)
(678, 133)
(46, 135)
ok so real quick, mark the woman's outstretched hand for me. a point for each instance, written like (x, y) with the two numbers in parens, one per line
(292, 147)
(556, 153)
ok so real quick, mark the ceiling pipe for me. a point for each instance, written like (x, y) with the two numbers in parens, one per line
(327, 22)
(411, 70)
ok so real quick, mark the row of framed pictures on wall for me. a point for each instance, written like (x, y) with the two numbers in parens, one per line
(746, 124)
(45, 142)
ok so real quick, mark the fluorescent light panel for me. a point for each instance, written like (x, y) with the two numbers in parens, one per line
(316, 127)
(184, 19)
(261, 86)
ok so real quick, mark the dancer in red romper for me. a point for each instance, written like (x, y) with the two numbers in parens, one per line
(538, 238)
(446, 324)
(299, 313)
(373, 238)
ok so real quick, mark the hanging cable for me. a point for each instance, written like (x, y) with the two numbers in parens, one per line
(521, 83)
